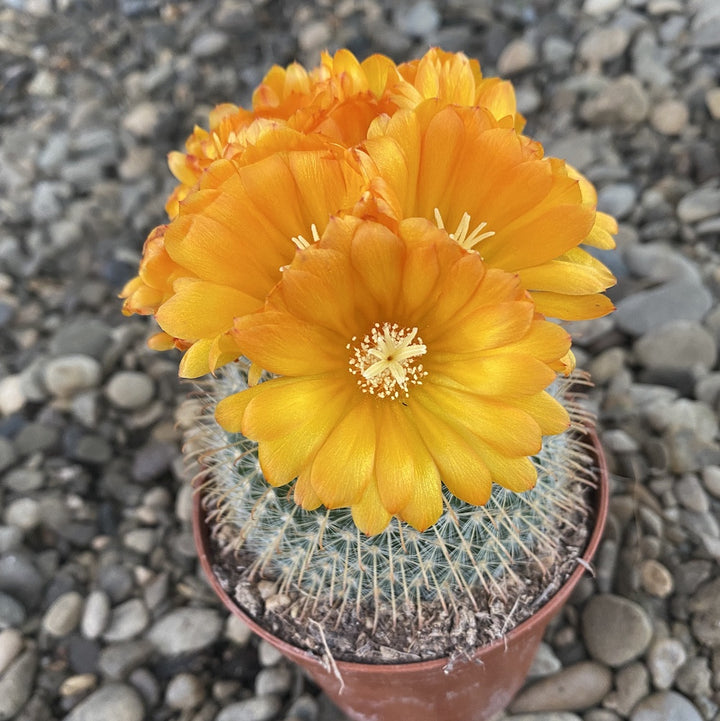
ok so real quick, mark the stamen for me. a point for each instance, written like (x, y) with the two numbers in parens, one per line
(300, 241)
(385, 360)
(461, 236)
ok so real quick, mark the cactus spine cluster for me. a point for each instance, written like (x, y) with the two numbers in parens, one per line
(329, 560)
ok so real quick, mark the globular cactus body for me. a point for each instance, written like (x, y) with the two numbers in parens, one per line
(472, 552)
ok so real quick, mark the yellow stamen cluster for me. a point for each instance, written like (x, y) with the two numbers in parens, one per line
(385, 360)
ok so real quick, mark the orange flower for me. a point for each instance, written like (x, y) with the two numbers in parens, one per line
(493, 190)
(403, 363)
(338, 100)
(225, 249)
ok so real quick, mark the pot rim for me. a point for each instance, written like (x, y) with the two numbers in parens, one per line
(547, 611)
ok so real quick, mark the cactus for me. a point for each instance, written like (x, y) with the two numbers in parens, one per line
(493, 548)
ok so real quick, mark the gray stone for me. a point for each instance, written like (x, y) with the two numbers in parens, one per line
(268, 655)
(618, 199)
(601, 7)
(11, 643)
(21, 579)
(16, 684)
(48, 199)
(185, 691)
(664, 658)
(130, 390)
(545, 662)
(705, 610)
(647, 309)
(24, 513)
(574, 688)
(616, 630)
(680, 344)
(694, 678)
(128, 620)
(711, 480)
(259, 708)
(664, 706)
(419, 20)
(66, 375)
(603, 44)
(622, 101)
(517, 56)
(96, 614)
(63, 616)
(87, 336)
(276, 680)
(670, 117)
(699, 205)
(7, 454)
(12, 614)
(209, 43)
(184, 630)
(115, 701)
(631, 684)
(143, 120)
(119, 659)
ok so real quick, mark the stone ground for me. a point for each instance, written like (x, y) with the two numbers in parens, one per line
(103, 612)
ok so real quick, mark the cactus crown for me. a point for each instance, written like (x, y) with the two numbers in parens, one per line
(478, 554)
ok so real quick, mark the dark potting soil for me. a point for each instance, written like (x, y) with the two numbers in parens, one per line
(377, 633)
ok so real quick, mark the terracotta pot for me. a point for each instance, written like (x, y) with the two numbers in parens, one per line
(474, 690)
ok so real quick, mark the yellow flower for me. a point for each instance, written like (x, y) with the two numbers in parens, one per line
(404, 364)
(337, 100)
(493, 190)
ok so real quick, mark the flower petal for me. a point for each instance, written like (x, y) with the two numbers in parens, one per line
(348, 452)
(572, 307)
(369, 514)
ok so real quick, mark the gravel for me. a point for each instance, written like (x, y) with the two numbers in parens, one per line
(103, 612)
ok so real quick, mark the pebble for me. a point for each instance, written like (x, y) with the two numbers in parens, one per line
(63, 616)
(711, 480)
(275, 680)
(209, 43)
(127, 621)
(574, 688)
(664, 658)
(260, 708)
(185, 691)
(601, 7)
(117, 660)
(670, 117)
(712, 100)
(705, 610)
(24, 513)
(115, 701)
(21, 579)
(237, 630)
(143, 120)
(11, 643)
(130, 390)
(604, 44)
(420, 20)
(268, 655)
(699, 205)
(622, 101)
(12, 614)
(664, 706)
(655, 578)
(517, 56)
(631, 685)
(678, 344)
(545, 662)
(616, 630)
(617, 199)
(16, 683)
(184, 630)
(69, 374)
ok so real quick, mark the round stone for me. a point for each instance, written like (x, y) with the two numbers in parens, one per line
(24, 513)
(12, 614)
(574, 688)
(616, 630)
(268, 655)
(115, 701)
(127, 621)
(656, 579)
(64, 614)
(517, 56)
(130, 390)
(11, 643)
(664, 659)
(185, 691)
(184, 630)
(16, 684)
(69, 374)
(664, 706)
(276, 680)
(676, 345)
(237, 630)
(259, 708)
(670, 117)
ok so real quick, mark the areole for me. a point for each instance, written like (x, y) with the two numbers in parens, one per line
(476, 689)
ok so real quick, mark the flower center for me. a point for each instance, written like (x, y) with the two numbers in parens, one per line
(385, 361)
(461, 235)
